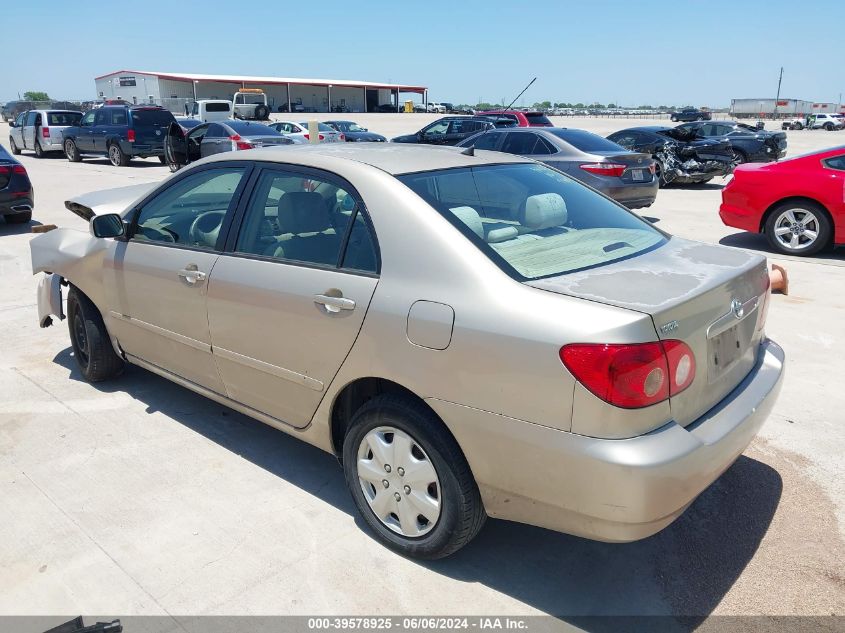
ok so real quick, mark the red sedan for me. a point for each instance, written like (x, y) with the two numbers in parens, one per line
(798, 203)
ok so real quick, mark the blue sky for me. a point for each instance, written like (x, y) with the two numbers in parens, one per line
(644, 52)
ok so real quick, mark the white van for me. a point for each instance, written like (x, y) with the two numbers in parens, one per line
(41, 130)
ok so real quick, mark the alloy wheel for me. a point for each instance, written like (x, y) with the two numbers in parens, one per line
(399, 481)
(114, 155)
(796, 229)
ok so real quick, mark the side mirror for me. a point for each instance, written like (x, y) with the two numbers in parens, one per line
(12, 123)
(109, 225)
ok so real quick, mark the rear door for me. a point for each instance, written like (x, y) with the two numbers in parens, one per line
(150, 125)
(285, 305)
(157, 280)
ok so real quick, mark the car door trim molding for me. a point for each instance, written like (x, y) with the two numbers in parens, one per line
(173, 336)
(274, 370)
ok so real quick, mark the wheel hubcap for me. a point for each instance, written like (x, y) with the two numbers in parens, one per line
(81, 337)
(399, 481)
(796, 229)
(114, 157)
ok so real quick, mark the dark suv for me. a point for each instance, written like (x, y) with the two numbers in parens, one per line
(449, 130)
(119, 132)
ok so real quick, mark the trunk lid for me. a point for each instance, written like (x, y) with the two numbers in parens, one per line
(637, 165)
(264, 141)
(709, 297)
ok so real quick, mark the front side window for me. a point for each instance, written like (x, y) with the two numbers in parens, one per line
(88, 119)
(533, 221)
(437, 129)
(302, 219)
(190, 212)
(30, 118)
(19, 121)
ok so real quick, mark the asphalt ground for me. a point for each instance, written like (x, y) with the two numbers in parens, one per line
(140, 497)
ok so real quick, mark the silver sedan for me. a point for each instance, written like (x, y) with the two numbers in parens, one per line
(474, 334)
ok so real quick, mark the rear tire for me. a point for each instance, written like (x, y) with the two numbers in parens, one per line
(117, 157)
(19, 218)
(811, 224)
(451, 498)
(72, 151)
(829, 127)
(15, 149)
(90, 340)
(739, 157)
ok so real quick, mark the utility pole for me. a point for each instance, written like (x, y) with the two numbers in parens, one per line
(777, 98)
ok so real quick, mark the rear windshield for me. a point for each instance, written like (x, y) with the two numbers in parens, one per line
(248, 128)
(147, 118)
(63, 118)
(533, 221)
(217, 107)
(587, 141)
(537, 119)
(322, 127)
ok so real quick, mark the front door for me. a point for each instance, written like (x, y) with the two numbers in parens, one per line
(84, 137)
(157, 280)
(286, 306)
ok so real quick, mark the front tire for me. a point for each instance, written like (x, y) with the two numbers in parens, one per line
(739, 157)
(409, 479)
(798, 228)
(117, 156)
(90, 340)
(72, 151)
(13, 146)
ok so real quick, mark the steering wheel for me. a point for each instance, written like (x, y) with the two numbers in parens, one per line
(205, 228)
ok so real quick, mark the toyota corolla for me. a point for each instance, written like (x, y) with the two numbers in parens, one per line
(472, 333)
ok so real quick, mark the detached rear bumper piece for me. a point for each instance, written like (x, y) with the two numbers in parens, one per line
(610, 490)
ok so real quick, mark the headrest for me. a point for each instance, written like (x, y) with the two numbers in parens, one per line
(470, 217)
(303, 212)
(544, 211)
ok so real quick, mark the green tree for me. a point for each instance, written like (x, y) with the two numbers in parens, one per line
(34, 95)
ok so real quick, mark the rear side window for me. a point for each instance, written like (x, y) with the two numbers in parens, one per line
(838, 163)
(533, 221)
(487, 141)
(217, 107)
(63, 118)
(521, 143)
(538, 119)
(299, 219)
(152, 118)
(118, 117)
(587, 141)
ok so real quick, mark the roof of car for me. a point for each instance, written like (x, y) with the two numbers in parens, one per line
(393, 158)
(647, 128)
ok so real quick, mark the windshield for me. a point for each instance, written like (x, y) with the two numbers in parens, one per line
(320, 126)
(538, 118)
(587, 141)
(157, 118)
(353, 127)
(533, 221)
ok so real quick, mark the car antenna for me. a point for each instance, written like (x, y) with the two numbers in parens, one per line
(521, 93)
(469, 151)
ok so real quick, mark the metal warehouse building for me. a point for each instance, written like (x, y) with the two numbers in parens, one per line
(173, 90)
(766, 107)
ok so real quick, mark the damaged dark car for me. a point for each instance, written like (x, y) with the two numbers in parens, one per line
(680, 157)
(750, 144)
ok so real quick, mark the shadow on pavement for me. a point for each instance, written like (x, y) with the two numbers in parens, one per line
(7, 228)
(758, 242)
(683, 571)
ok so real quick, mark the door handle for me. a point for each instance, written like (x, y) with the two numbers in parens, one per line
(192, 275)
(334, 304)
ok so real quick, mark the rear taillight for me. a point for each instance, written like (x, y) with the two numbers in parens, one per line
(321, 137)
(239, 143)
(604, 169)
(45, 132)
(631, 376)
(130, 135)
(652, 168)
(307, 137)
(343, 137)
(13, 169)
